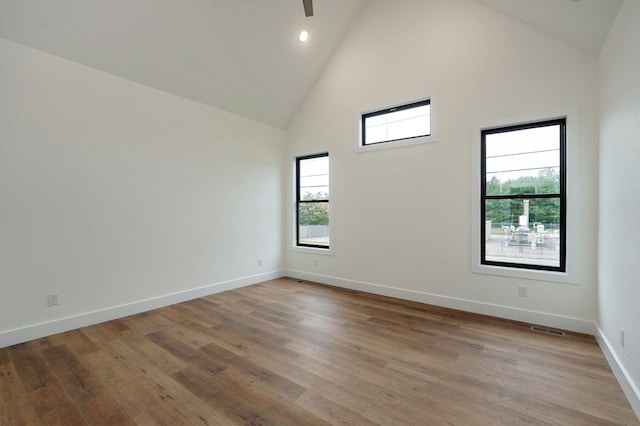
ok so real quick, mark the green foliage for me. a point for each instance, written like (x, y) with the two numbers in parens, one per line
(543, 210)
(314, 213)
(547, 182)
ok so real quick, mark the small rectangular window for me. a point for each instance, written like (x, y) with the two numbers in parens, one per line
(312, 201)
(397, 123)
(523, 199)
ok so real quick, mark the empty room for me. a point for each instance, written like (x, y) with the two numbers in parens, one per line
(410, 212)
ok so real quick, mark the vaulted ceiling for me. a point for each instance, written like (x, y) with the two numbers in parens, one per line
(241, 56)
(583, 24)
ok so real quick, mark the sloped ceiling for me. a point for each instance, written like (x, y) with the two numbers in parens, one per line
(583, 24)
(241, 56)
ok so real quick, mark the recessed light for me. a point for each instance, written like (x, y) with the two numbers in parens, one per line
(303, 36)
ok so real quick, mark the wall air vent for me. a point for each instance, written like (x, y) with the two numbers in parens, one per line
(538, 329)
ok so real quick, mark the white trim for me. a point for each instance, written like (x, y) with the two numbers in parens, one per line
(573, 215)
(432, 138)
(36, 331)
(293, 244)
(398, 144)
(577, 325)
(630, 389)
(316, 250)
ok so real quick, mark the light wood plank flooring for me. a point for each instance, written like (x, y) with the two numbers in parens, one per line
(295, 353)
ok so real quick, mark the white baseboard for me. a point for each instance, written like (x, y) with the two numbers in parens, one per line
(15, 336)
(532, 317)
(36, 331)
(630, 389)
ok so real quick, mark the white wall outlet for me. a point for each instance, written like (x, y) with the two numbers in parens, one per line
(52, 299)
(315, 262)
(622, 337)
(260, 262)
(522, 291)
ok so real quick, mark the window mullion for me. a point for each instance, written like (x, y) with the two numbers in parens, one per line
(513, 242)
(312, 215)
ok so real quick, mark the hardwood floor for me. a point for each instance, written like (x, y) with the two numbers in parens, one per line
(287, 352)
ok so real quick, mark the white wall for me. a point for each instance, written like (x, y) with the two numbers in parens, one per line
(114, 193)
(619, 235)
(483, 67)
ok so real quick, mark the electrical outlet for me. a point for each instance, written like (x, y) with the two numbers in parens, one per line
(622, 337)
(260, 262)
(315, 262)
(52, 299)
(522, 291)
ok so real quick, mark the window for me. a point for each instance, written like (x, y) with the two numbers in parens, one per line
(523, 200)
(312, 201)
(398, 123)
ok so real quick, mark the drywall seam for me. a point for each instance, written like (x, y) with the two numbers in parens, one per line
(36, 331)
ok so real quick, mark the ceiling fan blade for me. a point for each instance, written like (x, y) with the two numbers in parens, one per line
(308, 7)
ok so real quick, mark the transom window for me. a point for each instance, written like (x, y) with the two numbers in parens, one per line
(312, 201)
(523, 199)
(397, 123)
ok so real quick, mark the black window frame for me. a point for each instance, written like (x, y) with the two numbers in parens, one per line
(365, 116)
(561, 195)
(299, 201)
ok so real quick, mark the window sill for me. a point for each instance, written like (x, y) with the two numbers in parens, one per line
(526, 274)
(312, 250)
(571, 276)
(398, 144)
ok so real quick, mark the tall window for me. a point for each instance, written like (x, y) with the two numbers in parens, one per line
(397, 123)
(312, 201)
(523, 200)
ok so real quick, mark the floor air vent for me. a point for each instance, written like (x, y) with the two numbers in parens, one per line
(538, 329)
